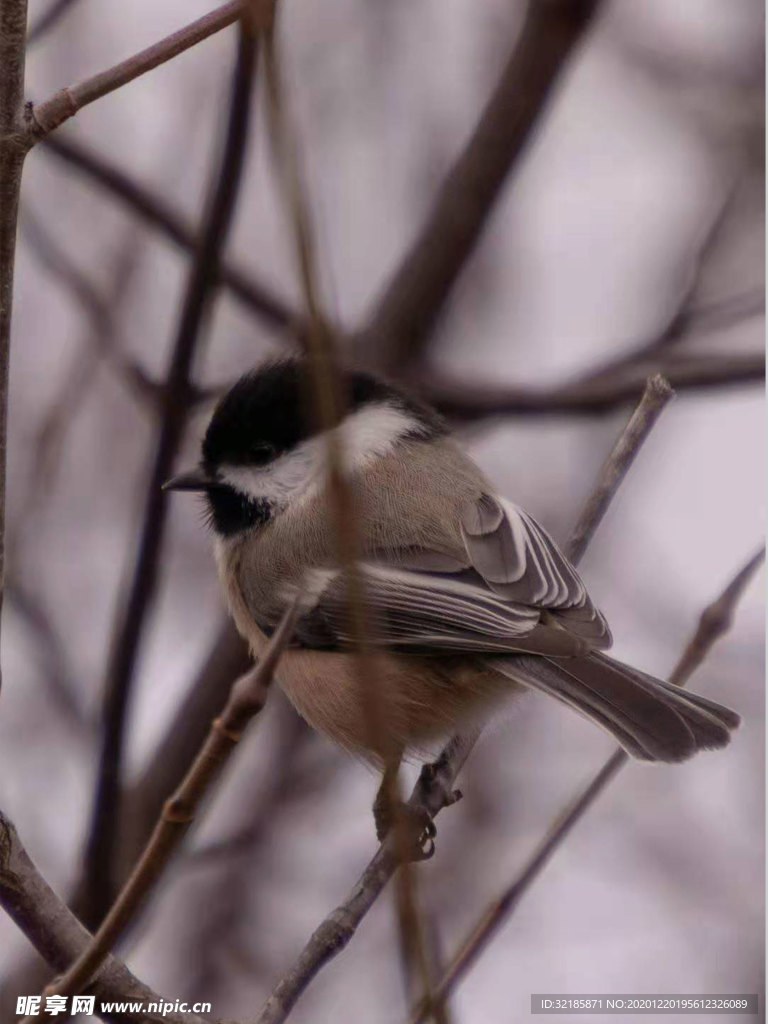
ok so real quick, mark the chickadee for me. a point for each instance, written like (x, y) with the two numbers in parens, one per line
(471, 598)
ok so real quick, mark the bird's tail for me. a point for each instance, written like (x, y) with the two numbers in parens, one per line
(651, 719)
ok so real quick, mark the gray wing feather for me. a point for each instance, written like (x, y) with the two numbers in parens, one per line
(419, 609)
(492, 600)
(520, 562)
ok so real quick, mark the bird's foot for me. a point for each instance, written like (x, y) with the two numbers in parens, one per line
(417, 830)
(430, 777)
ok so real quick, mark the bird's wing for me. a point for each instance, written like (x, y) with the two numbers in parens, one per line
(519, 561)
(488, 599)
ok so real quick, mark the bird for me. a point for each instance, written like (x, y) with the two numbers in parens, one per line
(471, 601)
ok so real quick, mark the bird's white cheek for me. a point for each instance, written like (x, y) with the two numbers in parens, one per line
(281, 482)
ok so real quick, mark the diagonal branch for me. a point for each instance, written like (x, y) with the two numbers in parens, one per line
(47, 115)
(434, 787)
(155, 210)
(715, 621)
(132, 616)
(48, 19)
(142, 803)
(98, 307)
(58, 936)
(657, 394)
(246, 700)
(406, 313)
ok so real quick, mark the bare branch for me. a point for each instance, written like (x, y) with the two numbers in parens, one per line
(689, 322)
(142, 804)
(50, 652)
(715, 621)
(58, 936)
(657, 394)
(406, 313)
(247, 698)
(13, 148)
(434, 789)
(154, 210)
(594, 393)
(43, 117)
(132, 616)
(99, 308)
(227, 659)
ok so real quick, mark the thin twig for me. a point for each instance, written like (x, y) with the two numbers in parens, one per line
(132, 616)
(433, 792)
(58, 936)
(405, 315)
(155, 210)
(247, 698)
(47, 115)
(657, 395)
(714, 622)
(227, 659)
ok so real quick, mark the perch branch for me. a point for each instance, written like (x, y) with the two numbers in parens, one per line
(247, 698)
(132, 616)
(715, 621)
(435, 784)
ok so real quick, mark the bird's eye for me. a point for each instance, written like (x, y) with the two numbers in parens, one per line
(261, 451)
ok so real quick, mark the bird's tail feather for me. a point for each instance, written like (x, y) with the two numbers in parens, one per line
(653, 720)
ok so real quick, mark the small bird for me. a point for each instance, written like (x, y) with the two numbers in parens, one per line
(472, 601)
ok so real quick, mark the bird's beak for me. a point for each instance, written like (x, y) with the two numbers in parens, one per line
(193, 480)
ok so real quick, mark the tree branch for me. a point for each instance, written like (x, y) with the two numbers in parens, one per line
(155, 211)
(594, 393)
(434, 788)
(406, 313)
(142, 804)
(657, 394)
(47, 115)
(59, 937)
(715, 621)
(132, 617)
(13, 148)
(98, 307)
(246, 699)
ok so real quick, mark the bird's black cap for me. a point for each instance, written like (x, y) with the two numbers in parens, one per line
(270, 410)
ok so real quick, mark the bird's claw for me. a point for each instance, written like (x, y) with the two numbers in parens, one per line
(418, 830)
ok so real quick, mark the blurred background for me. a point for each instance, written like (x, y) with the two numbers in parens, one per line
(639, 202)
